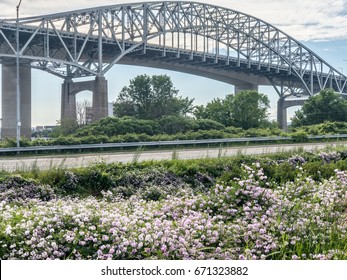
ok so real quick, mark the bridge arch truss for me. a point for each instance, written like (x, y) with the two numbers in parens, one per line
(188, 36)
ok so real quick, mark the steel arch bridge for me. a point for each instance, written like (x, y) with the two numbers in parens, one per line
(190, 37)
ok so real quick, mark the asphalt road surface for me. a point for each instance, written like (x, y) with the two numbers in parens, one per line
(68, 161)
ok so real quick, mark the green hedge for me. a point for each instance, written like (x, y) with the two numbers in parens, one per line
(114, 130)
(201, 174)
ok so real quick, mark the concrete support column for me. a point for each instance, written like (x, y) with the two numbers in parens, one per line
(9, 100)
(282, 106)
(282, 114)
(246, 86)
(100, 99)
(68, 100)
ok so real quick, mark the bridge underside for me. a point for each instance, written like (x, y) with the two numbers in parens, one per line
(241, 81)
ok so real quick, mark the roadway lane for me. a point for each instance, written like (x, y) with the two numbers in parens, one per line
(68, 161)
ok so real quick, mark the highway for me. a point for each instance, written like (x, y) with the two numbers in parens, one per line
(26, 163)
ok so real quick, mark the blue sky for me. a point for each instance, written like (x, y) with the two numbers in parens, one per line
(320, 25)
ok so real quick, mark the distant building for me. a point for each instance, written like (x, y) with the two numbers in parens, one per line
(50, 127)
(110, 109)
(39, 128)
(42, 131)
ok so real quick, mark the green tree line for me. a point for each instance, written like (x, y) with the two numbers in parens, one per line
(155, 97)
(151, 105)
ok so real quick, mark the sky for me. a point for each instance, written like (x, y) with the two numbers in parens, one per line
(320, 25)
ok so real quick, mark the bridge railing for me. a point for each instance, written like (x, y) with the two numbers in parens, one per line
(220, 57)
(161, 144)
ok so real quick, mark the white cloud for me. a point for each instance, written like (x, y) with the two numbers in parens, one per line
(304, 20)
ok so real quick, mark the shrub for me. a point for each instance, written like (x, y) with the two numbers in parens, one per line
(233, 130)
(129, 137)
(119, 126)
(296, 160)
(40, 142)
(66, 140)
(9, 142)
(207, 134)
(159, 192)
(206, 124)
(94, 139)
(17, 189)
(24, 142)
(281, 172)
(319, 171)
(93, 181)
(299, 136)
(329, 128)
(258, 132)
(330, 156)
(175, 124)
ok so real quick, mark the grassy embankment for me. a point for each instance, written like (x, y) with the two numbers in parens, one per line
(273, 207)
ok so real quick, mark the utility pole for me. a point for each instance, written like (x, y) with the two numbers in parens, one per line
(18, 94)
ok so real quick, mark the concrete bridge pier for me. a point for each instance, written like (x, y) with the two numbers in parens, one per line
(282, 114)
(100, 100)
(282, 105)
(68, 100)
(9, 100)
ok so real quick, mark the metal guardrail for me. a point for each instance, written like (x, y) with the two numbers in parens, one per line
(158, 143)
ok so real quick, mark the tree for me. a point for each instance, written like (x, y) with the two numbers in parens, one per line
(324, 106)
(249, 109)
(218, 110)
(83, 112)
(151, 98)
(175, 124)
(246, 109)
(66, 126)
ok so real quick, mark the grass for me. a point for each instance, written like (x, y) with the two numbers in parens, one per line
(137, 154)
(174, 155)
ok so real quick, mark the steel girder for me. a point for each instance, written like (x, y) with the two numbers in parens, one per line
(89, 42)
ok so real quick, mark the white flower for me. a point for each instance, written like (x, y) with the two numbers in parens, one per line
(8, 230)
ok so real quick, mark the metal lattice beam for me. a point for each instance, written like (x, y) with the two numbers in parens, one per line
(185, 34)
